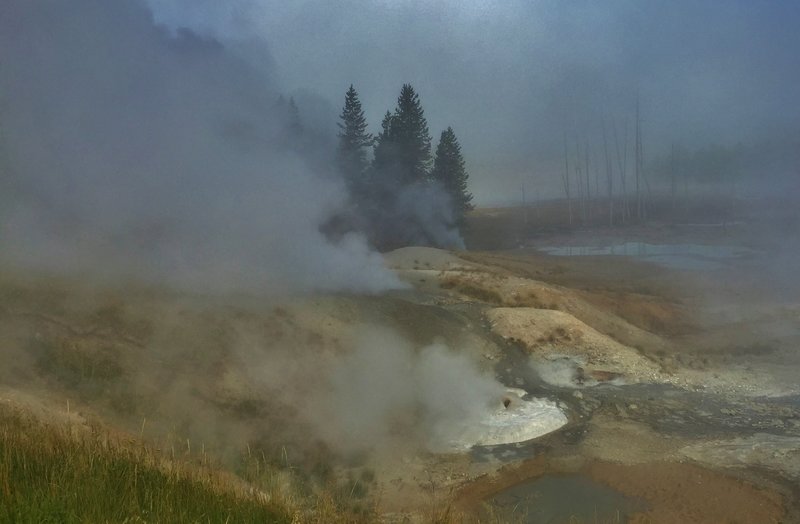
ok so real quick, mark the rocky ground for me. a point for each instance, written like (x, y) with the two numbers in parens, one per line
(670, 400)
(679, 389)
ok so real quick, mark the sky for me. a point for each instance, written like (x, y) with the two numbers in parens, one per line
(512, 77)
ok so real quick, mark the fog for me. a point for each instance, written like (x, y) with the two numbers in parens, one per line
(386, 390)
(131, 151)
(109, 113)
(170, 157)
(513, 77)
(179, 254)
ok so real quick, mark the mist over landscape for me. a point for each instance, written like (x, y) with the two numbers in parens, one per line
(133, 151)
(513, 77)
(536, 77)
(399, 261)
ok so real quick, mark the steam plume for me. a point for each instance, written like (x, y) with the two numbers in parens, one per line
(136, 151)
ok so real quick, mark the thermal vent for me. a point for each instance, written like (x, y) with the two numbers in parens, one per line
(517, 419)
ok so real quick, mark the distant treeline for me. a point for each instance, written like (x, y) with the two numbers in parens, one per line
(763, 163)
(609, 182)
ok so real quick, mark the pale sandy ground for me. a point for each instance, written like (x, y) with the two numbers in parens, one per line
(553, 335)
(562, 324)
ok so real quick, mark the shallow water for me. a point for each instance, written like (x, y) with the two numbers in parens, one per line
(556, 499)
(673, 256)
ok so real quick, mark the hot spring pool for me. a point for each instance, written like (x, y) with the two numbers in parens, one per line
(515, 419)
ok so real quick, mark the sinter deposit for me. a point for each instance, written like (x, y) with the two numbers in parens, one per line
(513, 420)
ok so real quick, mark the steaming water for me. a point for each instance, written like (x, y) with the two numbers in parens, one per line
(562, 371)
(673, 256)
(522, 420)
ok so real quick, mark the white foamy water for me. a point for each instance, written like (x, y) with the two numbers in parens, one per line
(522, 420)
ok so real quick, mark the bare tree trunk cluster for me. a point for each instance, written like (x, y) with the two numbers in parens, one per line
(618, 205)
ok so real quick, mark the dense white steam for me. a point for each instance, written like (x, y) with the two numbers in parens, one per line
(386, 388)
(135, 151)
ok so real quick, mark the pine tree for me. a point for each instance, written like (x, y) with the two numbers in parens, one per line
(353, 141)
(449, 171)
(385, 146)
(403, 148)
(410, 133)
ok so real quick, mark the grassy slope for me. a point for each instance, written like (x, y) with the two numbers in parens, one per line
(68, 338)
(47, 475)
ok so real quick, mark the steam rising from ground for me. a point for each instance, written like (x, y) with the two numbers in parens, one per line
(132, 151)
(386, 389)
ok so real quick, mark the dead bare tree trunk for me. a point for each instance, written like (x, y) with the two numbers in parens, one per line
(597, 204)
(565, 179)
(673, 183)
(647, 198)
(579, 181)
(685, 191)
(524, 208)
(588, 190)
(622, 163)
(637, 164)
(609, 178)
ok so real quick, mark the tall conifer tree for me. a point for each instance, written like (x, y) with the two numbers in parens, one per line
(449, 171)
(384, 152)
(410, 131)
(353, 141)
(403, 148)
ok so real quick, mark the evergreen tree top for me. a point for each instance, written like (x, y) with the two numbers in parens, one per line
(353, 125)
(387, 121)
(353, 141)
(407, 131)
(410, 116)
(450, 171)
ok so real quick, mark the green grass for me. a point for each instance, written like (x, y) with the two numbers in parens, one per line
(48, 475)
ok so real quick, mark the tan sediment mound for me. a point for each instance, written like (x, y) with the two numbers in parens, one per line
(500, 289)
(549, 334)
(424, 267)
(424, 258)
